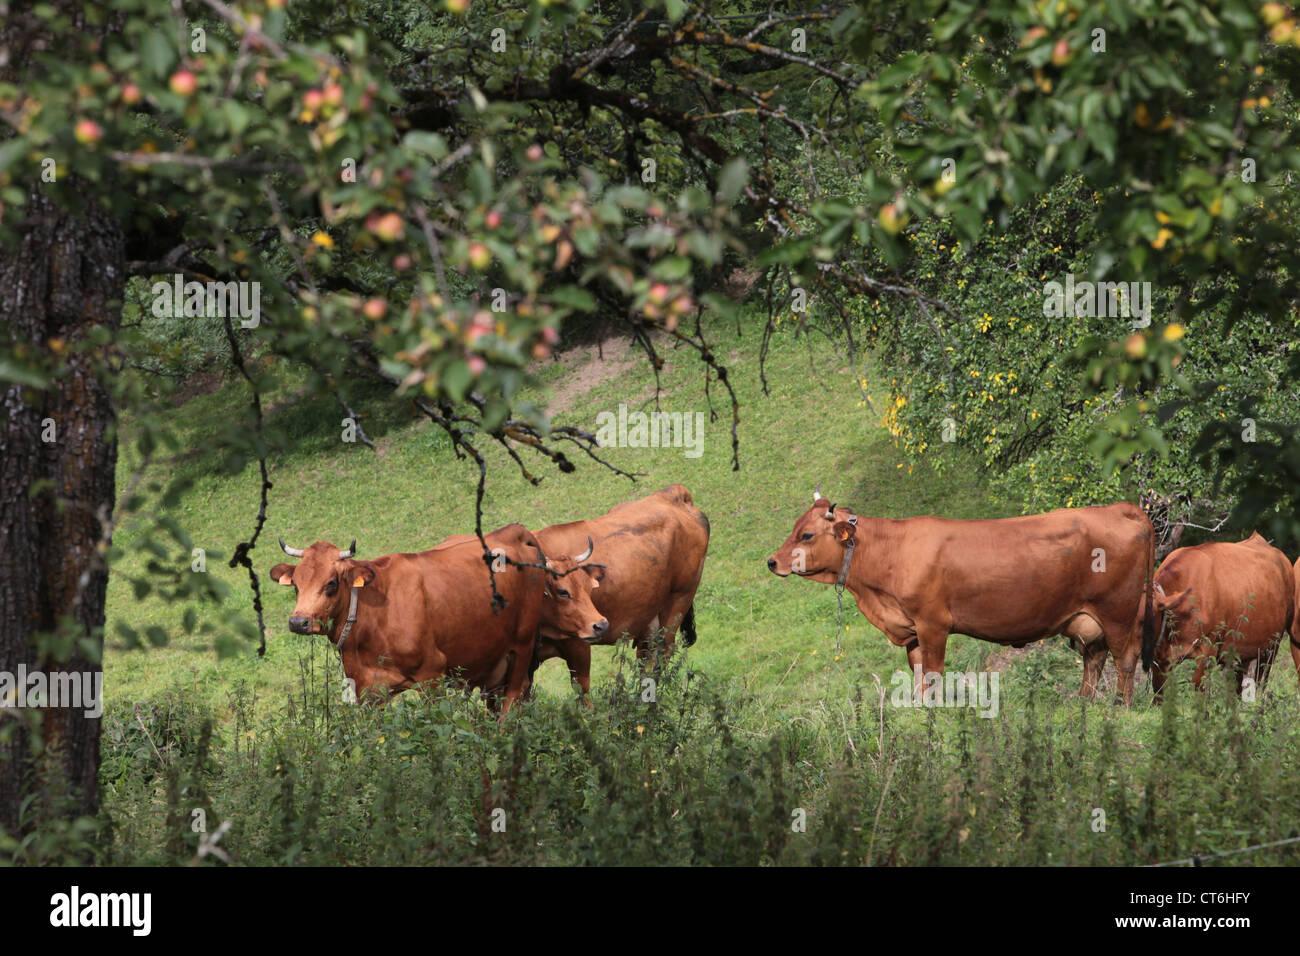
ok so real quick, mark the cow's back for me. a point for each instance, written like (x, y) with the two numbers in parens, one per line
(1022, 578)
(652, 548)
(1244, 591)
(455, 617)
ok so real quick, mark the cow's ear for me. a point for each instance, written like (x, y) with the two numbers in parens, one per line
(283, 573)
(361, 575)
(597, 574)
(844, 531)
(1179, 601)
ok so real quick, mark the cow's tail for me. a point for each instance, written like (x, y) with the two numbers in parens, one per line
(1149, 609)
(688, 626)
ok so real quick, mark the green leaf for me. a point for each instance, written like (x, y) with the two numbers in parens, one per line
(157, 52)
(431, 144)
(574, 298)
(732, 180)
(456, 380)
(15, 374)
(672, 268)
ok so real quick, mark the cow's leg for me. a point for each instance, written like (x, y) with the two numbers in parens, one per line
(1263, 665)
(1295, 652)
(671, 618)
(1123, 638)
(1238, 675)
(1198, 675)
(934, 645)
(577, 654)
(516, 677)
(377, 685)
(1094, 660)
(650, 645)
(1094, 639)
(914, 665)
(1126, 661)
(546, 649)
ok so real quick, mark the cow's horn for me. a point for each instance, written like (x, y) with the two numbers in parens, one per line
(817, 492)
(352, 549)
(291, 552)
(586, 554)
(830, 512)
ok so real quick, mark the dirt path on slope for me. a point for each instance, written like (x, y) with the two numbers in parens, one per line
(586, 367)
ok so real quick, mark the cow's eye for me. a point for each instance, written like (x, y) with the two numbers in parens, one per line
(332, 586)
(807, 536)
(561, 592)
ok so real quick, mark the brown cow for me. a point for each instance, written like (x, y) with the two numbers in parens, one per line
(1223, 601)
(421, 616)
(653, 552)
(1082, 572)
(568, 613)
(1295, 621)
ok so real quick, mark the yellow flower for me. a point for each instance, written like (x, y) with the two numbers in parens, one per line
(1163, 236)
(323, 239)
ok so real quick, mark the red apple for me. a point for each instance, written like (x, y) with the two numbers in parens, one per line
(87, 132)
(183, 83)
(1032, 34)
(387, 226)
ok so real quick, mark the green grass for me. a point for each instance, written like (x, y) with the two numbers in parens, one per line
(762, 714)
(764, 633)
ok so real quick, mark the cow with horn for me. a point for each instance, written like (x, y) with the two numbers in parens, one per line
(1082, 572)
(403, 620)
(652, 551)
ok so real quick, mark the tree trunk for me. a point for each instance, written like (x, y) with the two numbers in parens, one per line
(63, 279)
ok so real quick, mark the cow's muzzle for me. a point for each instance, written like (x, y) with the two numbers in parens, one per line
(771, 566)
(302, 625)
(598, 630)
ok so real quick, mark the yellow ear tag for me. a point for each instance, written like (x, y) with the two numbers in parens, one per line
(286, 579)
(359, 583)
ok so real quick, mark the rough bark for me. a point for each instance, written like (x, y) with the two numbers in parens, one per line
(65, 277)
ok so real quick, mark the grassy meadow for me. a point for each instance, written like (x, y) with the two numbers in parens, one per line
(765, 744)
